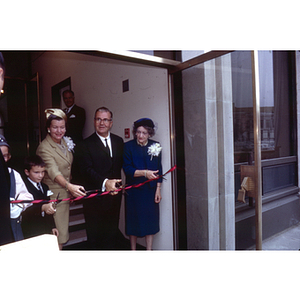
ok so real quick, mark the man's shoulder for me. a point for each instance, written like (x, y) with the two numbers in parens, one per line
(90, 137)
(90, 140)
(94, 137)
(116, 138)
(78, 108)
(16, 173)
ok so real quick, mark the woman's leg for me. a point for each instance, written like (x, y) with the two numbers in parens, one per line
(61, 219)
(133, 239)
(149, 241)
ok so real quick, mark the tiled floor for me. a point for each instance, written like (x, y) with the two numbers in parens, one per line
(286, 240)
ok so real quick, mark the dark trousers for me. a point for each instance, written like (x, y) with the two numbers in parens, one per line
(102, 221)
(17, 229)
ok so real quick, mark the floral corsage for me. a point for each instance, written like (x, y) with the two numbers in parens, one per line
(70, 143)
(154, 150)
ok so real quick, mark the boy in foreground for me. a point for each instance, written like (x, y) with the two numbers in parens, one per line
(38, 218)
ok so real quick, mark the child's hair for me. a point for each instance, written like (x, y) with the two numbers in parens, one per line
(32, 161)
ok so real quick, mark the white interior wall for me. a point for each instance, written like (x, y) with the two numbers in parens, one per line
(98, 82)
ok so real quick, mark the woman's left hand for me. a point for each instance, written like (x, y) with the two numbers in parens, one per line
(157, 195)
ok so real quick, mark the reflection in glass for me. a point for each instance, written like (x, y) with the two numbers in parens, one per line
(242, 106)
(275, 105)
(277, 113)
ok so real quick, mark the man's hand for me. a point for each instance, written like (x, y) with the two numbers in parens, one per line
(48, 209)
(110, 186)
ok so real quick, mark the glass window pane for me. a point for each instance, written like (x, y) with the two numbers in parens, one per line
(276, 105)
(242, 106)
(278, 177)
(277, 100)
(189, 54)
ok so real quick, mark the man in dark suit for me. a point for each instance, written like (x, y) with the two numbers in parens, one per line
(100, 159)
(6, 235)
(75, 117)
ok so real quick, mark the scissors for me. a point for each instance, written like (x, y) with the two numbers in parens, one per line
(54, 204)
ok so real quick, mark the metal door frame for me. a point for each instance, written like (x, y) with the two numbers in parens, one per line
(174, 67)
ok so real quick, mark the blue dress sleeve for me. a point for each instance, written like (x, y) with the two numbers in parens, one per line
(128, 167)
(160, 167)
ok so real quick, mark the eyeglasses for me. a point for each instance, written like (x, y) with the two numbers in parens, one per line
(105, 121)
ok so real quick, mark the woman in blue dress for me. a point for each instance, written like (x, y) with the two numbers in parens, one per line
(142, 162)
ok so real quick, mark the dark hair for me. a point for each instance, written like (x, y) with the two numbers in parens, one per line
(104, 109)
(68, 91)
(2, 65)
(51, 118)
(32, 161)
(150, 130)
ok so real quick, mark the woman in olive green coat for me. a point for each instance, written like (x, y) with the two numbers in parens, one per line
(56, 151)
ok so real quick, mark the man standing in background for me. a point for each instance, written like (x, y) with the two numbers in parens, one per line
(75, 116)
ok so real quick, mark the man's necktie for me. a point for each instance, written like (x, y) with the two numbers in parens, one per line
(107, 148)
(39, 187)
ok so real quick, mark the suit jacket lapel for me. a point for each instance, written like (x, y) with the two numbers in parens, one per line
(114, 146)
(70, 112)
(67, 157)
(100, 144)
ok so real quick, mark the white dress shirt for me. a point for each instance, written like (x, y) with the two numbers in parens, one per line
(108, 142)
(21, 194)
(109, 146)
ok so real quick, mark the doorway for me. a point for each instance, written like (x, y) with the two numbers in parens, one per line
(20, 108)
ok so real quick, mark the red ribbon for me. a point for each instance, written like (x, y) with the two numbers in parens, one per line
(94, 194)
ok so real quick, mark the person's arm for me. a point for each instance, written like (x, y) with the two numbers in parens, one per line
(55, 174)
(158, 197)
(21, 190)
(109, 185)
(51, 164)
(74, 189)
(129, 168)
(48, 209)
(146, 173)
(151, 175)
(55, 231)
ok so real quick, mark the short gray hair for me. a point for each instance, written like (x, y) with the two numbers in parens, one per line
(104, 109)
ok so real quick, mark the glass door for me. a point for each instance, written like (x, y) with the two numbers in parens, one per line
(20, 108)
(204, 152)
(233, 110)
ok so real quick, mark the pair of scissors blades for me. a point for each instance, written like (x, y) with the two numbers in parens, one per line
(54, 204)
